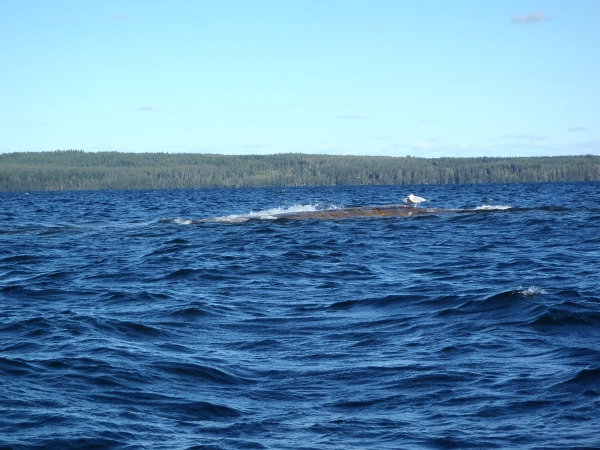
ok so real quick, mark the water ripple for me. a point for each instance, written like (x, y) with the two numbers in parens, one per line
(137, 320)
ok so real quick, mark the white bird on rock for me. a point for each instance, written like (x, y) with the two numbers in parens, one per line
(414, 199)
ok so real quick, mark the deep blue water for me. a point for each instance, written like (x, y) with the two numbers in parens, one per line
(126, 321)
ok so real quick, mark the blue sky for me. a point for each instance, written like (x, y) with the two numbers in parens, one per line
(368, 77)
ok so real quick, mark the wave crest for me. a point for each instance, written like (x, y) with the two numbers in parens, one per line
(530, 291)
(269, 214)
(492, 208)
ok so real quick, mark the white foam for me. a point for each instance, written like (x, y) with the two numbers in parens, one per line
(492, 207)
(267, 214)
(530, 291)
(179, 221)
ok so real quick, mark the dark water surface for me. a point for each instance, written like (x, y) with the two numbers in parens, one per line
(127, 321)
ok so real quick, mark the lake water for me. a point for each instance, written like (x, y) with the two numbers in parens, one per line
(129, 320)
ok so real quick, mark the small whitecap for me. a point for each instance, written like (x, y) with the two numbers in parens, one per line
(179, 221)
(235, 218)
(492, 207)
(530, 291)
(268, 214)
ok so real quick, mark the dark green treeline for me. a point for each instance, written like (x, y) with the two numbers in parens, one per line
(79, 170)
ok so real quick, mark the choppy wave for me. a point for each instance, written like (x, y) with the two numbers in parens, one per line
(451, 325)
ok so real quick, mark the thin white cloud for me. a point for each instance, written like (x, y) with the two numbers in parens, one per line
(350, 116)
(425, 121)
(533, 17)
(578, 129)
(147, 107)
(524, 136)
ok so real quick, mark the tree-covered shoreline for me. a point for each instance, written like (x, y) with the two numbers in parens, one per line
(79, 170)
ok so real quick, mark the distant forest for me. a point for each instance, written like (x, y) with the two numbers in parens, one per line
(79, 170)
